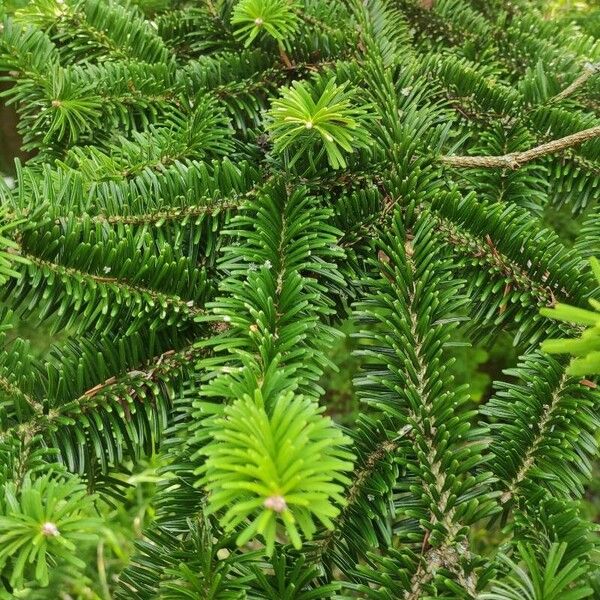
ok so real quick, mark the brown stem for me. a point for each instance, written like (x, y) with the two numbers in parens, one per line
(517, 159)
(285, 59)
(589, 70)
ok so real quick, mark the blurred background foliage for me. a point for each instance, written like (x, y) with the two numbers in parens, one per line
(585, 13)
(476, 365)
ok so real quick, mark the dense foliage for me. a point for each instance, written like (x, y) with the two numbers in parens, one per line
(218, 192)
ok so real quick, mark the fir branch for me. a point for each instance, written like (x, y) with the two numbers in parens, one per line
(13, 390)
(589, 70)
(409, 385)
(531, 417)
(485, 251)
(76, 19)
(115, 389)
(360, 480)
(157, 369)
(445, 555)
(528, 459)
(517, 159)
(169, 165)
(161, 216)
(127, 289)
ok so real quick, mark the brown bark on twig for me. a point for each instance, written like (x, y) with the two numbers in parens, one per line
(517, 159)
(285, 59)
(589, 70)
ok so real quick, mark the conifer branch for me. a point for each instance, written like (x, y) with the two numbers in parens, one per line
(181, 187)
(360, 479)
(159, 368)
(528, 459)
(116, 388)
(589, 70)
(486, 251)
(162, 216)
(314, 21)
(447, 556)
(517, 159)
(13, 390)
(424, 421)
(211, 207)
(127, 289)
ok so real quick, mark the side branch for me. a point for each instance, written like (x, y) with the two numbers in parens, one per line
(517, 159)
(589, 70)
(116, 389)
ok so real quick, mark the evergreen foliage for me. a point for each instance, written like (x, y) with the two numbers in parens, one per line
(275, 17)
(586, 349)
(215, 188)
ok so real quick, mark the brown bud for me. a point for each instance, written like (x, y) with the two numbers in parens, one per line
(383, 257)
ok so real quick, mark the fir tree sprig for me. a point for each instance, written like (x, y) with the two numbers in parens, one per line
(274, 18)
(281, 465)
(216, 194)
(317, 118)
(42, 521)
